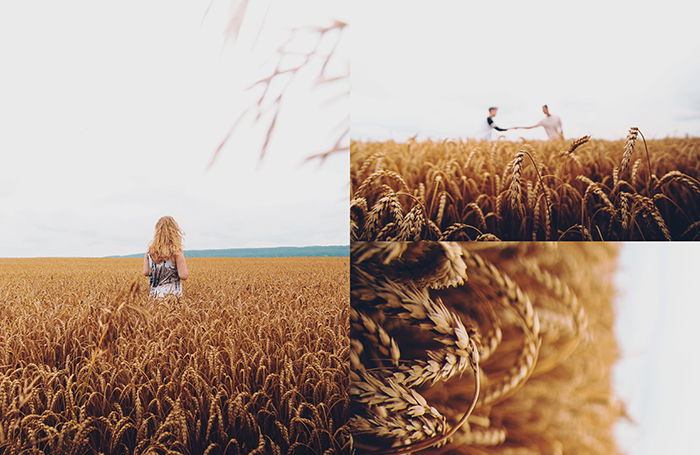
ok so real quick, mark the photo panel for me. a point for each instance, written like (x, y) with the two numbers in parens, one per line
(174, 254)
(522, 347)
(499, 122)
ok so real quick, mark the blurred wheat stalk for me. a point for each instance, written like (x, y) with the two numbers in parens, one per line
(318, 58)
(531, 321)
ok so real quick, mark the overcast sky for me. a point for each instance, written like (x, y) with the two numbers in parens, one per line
(657, 375)
(110, 113)
(433, 68)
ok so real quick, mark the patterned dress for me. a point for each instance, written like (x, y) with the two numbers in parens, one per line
(164, 279)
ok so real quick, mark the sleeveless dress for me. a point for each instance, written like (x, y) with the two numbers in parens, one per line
(164, 279)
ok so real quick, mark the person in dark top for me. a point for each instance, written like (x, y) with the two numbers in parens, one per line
(486, 132)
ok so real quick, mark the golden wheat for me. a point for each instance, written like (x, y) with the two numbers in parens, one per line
(582, 190)
(468, 348)
(252, 360)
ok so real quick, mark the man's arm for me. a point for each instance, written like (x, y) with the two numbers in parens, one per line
(492, 125)
(561, 130)
(528, 127)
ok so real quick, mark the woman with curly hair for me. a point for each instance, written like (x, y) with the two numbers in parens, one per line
(164, 262)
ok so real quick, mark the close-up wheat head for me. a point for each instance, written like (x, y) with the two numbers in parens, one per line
(495, 348)
(530, 190)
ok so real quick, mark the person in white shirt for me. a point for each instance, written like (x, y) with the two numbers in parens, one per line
(551, 124)
(486, 132)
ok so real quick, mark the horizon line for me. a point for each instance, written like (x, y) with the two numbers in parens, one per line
(132, 255)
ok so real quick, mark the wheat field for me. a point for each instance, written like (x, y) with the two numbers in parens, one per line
(501, 348)
(555, 190)
(252, 360)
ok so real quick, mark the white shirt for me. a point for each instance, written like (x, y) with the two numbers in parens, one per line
(552, 126)
(485, 133)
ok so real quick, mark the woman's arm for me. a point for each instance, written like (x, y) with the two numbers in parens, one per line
(181, 266)
(146, 265)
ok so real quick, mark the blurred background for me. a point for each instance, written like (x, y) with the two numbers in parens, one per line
(110, 115)
(658, 373)
(433, 69)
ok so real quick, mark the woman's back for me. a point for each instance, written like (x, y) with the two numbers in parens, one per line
(164, 278)
(164, 261)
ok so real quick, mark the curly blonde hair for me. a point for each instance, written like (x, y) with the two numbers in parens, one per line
(167, 240)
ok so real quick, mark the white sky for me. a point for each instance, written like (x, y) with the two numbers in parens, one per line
(658, 373)
(110, 113)
(433, 68)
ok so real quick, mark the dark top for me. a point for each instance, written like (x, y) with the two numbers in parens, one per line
(490, 122)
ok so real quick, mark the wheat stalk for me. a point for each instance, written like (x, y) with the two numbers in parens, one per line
(450, 179)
